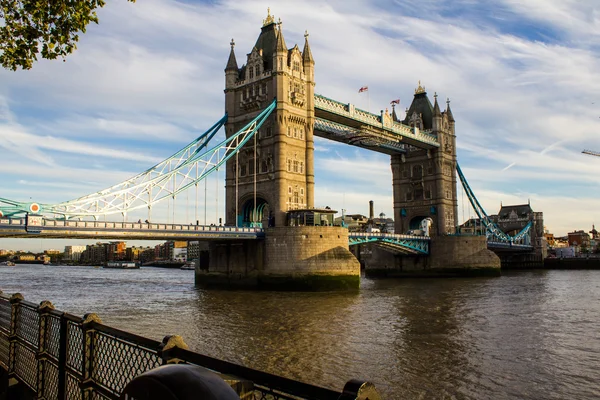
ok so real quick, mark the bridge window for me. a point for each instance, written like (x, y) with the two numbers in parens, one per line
(289, 165)
(417, 172)
(251, 166)
(264, 166)
(428, 194)
(405, 173)
(289, 131)
(243, 169)
(251, 70)
(301, 167)
(408, 196)
(297, 66)
(296, 169)
(419, 194)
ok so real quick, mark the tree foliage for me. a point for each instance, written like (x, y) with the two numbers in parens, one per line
(49, 27)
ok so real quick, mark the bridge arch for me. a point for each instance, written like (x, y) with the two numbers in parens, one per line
(415, 222)
(261, 216)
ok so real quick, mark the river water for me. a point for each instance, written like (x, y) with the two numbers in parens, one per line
(525, 335)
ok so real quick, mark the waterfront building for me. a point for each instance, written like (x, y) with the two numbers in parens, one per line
(580, 240)
(194, 248)
(115, 251)
(147, 255)
(73, 253)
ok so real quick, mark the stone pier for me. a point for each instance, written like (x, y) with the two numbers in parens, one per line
(449, 256)
(289, 258)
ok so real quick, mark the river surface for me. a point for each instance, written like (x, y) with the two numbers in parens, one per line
(525, 335)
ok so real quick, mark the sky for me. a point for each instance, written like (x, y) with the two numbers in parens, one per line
(522, 77)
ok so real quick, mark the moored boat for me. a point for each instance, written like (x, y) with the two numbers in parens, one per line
(188, 265)
(121, 265)
(8, 263)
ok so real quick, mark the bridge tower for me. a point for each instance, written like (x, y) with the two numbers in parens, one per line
(275, 173)
(424, 181)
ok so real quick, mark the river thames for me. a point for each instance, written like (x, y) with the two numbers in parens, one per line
(525, 335)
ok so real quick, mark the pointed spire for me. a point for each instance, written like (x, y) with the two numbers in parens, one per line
(306, 53)
(232, 62)
(448, 111)
(394, 116)
(280, 45)
(436, 107)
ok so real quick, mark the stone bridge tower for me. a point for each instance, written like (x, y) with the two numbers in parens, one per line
(275, 173)
(424, 181)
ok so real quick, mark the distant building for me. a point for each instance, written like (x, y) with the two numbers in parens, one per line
(354, 222)
(473, 226)
(550, 239)
(73, 253)
(115, 251)
(580, 240)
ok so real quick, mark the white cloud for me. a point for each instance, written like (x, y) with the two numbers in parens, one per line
(149, 78)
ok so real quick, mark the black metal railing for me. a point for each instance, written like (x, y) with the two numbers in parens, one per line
(60, 356)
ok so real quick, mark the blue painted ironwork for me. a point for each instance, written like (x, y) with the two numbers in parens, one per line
(400, 131)
(354, 136)
(493, 233)
(163, 181)
(404, 243)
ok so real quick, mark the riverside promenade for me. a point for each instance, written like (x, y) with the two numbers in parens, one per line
(49, 354)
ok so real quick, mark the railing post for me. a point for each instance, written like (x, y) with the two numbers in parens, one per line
(15, 300)
(168, 343)
(42, 350)
(88, 356)
(62, 358)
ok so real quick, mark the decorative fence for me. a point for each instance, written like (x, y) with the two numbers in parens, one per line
(60, 356)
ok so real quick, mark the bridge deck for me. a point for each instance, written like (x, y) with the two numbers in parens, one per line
(364, 129)
(17, 228)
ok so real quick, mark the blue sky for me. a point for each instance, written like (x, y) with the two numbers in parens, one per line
(522, 77)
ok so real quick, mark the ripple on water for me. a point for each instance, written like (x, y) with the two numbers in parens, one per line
(527, 335)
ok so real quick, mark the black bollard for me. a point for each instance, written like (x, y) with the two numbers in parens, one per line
(178, 382)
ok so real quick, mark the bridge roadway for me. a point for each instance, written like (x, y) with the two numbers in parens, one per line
(345, 123)
(51, 228)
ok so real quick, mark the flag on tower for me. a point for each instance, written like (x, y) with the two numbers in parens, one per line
(363, 89)
(397, 101)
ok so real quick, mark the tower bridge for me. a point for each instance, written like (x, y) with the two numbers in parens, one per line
(272, 116)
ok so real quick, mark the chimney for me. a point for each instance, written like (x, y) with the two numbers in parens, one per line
(371, 213)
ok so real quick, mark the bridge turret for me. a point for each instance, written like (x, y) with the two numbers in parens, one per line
(449, 116)
(437, 115)
(280, 55)
(231, 70)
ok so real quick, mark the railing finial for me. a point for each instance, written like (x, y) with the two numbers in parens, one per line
(46, 304)
(17, 297)
(91, 317)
